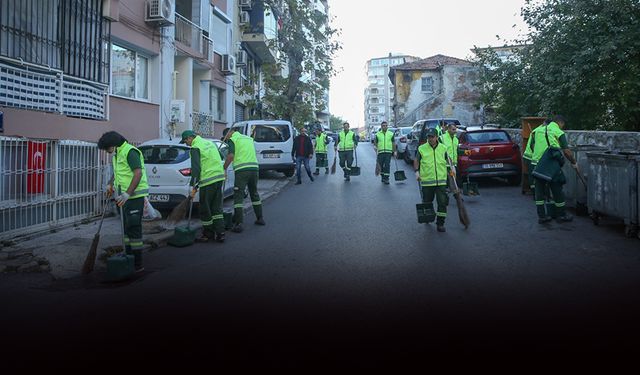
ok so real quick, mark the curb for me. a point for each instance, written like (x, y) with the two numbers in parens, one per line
(160, 239)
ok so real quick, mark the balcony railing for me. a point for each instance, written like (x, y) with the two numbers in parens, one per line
(207, 49)
(188, 33)
(38, 88)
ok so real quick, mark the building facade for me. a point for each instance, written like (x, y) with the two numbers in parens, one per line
(436, 87)
(378, 95)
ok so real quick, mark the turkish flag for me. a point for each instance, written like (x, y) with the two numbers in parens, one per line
(36, 165)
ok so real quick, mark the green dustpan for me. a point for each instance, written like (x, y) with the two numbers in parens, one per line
(399, 175)
(425, 211)
(184, 236)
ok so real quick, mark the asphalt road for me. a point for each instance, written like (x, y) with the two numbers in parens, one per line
(343, 271)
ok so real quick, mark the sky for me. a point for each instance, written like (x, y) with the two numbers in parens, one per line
(422, 28)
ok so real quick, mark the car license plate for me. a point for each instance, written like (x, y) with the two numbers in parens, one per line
(492, 166)
(159, 197)
(271, 156)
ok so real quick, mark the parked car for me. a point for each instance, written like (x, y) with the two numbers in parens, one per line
(400, 138)
(333, 136)
(168, 166)
(273, 141)
(493, 154)
(418, 135)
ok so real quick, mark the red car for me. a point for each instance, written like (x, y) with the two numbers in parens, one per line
(493, 154)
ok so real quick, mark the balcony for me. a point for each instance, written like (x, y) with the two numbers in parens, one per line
(192, 36)
(261, 32)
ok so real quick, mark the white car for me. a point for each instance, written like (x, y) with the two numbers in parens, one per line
(168, 166)
(273, 140)
(400, 139)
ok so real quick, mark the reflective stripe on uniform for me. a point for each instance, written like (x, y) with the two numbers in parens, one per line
(256, 203)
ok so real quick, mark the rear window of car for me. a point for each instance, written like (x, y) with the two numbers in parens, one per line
(270, 133)
(487, 137)
(164, 154)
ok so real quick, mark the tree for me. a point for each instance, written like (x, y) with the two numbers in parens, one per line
(335, 122)
(581, 58)
(307, 47)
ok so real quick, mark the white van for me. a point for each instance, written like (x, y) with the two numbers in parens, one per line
(273, 141)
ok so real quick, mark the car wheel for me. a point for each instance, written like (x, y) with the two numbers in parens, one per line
(514, 180)
(289, 172)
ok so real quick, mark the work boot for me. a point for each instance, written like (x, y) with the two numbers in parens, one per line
(137, 260)
(347, 178)
(317, 172)
(546, 219)
(311, 178)
(386, 182)
(298, 182)
(260, 221)
(237, 228)
(564, 218)
(220, 237)
(326, 171)
(441, 228)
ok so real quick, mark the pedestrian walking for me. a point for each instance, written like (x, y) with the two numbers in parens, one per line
(242, 154)
(320, 147)
(129, 181)
(430, 166)
(207, 176)
(347, 143)
(385, 147)
(301, 153)
(547, 143)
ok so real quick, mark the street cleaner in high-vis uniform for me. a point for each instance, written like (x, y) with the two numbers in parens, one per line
(207, 176)
(129, 182)
(431, 169)
(242, 153)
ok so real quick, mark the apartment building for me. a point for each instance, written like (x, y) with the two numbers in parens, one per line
(378, 95)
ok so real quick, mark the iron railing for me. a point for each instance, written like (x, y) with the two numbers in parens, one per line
(45, 184)
(29, 86)
(188, 33)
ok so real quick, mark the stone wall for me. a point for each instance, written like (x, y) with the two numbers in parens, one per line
(618, 141)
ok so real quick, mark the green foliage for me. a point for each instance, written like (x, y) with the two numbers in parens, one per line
(581, 59)
(335, 122)
(307, 47)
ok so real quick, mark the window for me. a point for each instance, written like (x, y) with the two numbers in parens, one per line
(374, 110)
(488, 137)
(216, 103)
(129, 73)
(164, 154)
(374, 91)
(219, 35)
(270, 133)
(374, 100)
(427, 84)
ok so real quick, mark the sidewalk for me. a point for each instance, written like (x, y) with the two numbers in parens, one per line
(62, 253)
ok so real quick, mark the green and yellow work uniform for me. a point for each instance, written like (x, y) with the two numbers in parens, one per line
(346, 144)
(207, 173)
(321, 152)
(245, 166)
(433, 177)
(527, 156)
(384, 145)
(451, 142)
(126, 160)
(556, 138)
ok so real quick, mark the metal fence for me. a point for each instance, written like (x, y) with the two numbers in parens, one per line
(28, 86)
(45, 184)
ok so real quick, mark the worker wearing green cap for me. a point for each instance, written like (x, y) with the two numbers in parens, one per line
(207, 175)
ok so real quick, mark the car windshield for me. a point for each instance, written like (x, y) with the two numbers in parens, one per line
(487, 137)
(270, 133)
(405, 131)
(164, 154)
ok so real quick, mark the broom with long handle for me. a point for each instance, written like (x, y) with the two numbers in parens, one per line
(462, 211)
(333, 166)
(90, 260)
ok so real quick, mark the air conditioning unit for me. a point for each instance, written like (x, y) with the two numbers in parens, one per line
(228, 64)
(241, 58)
(161, 12)
(244, 18)
(245, 4)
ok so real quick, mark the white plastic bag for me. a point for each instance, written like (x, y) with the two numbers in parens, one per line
(149, 213)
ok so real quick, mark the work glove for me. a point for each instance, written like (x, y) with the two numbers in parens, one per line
(109, 191)
(194, 190)
(417, 176)
(122, 199)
